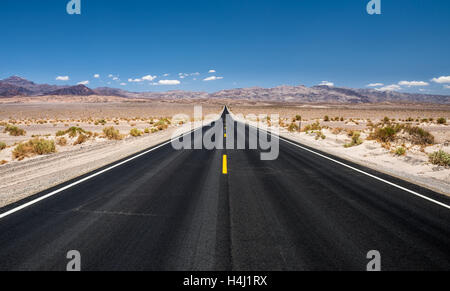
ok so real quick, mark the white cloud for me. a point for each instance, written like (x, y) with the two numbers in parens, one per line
(326, 83)
(149, 78)
(123, 84)
(83, 83)
(166, 75)
(110, 76)
(392, 87)
(375, 85)
(134, 80)
(441, 80)
(195, 74)
(62, 78)
(413, 83)
(169, 82)
(96, 76)
(212, 71)
(115, 78)
(212, 78)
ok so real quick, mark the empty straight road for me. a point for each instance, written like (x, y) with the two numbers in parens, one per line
(175, 210)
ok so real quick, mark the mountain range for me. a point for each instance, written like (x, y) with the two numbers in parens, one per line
(17, 86)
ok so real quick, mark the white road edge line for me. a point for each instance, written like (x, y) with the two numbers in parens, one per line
(355, 169)
(18, 208)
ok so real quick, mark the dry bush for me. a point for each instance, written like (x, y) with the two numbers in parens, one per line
(62, 141)
(356, 140)
(81, 139)
(313, 126)
(72, 132)
(135, 132)
(14, 130)
(320, 135)
(440, 158)
(112, 133)
(2, 146)
(400, 151)
(33, 147)
(293, 127)
(2, 162)
(441, 120)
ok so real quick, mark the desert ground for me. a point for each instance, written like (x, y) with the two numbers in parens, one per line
(358, 133)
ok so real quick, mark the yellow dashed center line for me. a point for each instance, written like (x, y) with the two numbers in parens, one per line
(224, 165)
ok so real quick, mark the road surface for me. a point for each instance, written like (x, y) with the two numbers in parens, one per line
(175, 210)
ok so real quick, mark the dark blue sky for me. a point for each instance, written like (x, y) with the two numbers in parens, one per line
(247, 42)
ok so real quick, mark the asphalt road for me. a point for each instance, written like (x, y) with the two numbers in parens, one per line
(176, 210)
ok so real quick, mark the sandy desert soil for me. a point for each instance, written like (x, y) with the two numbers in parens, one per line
(413, 166)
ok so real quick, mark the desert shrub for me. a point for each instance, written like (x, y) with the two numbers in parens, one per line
(62, 141)
(81, 139)
(135, 132)
(2, 146)
(112, 133)
(34, 147)
(320, 135)
(298, 117)
(14, 130)
(293, 127)
(2, 162)
(74, 131)
(326, 118)
(162, 126)
(100, 121)
(146, 130)
(419, 136)
(356, 140)
(400, 151)
(386, 120)
(342, 119)
(313, 126)
(441, 120)
(154, 130)
(384, 134)
(440, 158)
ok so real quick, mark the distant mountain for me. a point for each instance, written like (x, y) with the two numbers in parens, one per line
(35, 89)
(8, 90)
(78, 90)
(326, 94)
(17, 86)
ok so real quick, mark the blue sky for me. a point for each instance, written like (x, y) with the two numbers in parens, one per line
(247, 43)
